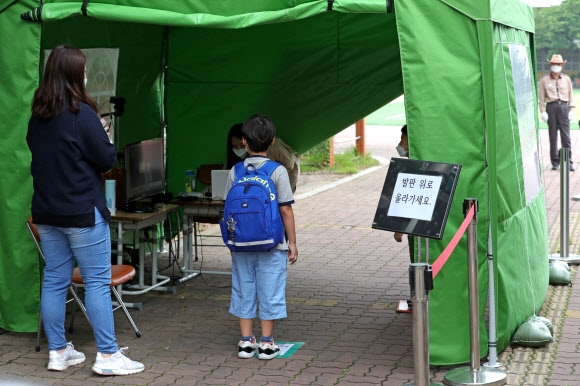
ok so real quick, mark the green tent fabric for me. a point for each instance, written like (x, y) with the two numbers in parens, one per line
(464, 110)
(190, 69)
(19, 261)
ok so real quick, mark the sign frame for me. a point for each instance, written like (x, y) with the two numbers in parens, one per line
(398, 185)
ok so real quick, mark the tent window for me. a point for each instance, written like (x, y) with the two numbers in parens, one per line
(102, 64)
(524, 96)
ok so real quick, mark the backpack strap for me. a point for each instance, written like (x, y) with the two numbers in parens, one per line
(268, 167)
(239, 170)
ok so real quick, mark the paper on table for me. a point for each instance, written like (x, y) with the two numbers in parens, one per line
(110, 195)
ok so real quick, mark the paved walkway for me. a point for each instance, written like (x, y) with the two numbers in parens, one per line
(342, 296)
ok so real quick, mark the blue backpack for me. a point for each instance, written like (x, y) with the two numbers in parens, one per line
(252, 221)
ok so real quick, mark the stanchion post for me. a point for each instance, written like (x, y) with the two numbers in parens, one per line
(564, 197)
(565, 210)
(475, 374)
(421, 282)
(472, 284)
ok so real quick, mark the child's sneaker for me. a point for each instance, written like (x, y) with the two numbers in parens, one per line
(68, 357)
(247, 348)
(268, 350)
(117, 364)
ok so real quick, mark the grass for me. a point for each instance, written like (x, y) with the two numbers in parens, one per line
(318, 160)
(392, 114)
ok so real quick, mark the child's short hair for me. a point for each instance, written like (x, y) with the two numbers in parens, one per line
(258, 131)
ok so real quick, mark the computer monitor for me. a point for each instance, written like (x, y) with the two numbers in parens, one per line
(144, 171)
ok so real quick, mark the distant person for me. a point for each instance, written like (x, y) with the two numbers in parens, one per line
(259, 278)
(403, 150)
(279, 152)
(70, 150)
(403, 146)
(556, 100)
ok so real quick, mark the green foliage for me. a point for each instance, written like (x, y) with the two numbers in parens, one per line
(557, 28)
(349, 162)
(316, 158)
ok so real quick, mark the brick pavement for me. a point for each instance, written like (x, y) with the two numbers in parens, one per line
(341, 300)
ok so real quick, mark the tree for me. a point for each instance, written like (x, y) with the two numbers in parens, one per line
(558, 28)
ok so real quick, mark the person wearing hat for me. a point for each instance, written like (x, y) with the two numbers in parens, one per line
(556, 100)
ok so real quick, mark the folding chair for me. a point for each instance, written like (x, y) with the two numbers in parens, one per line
(120, 274)
(204, 173)
(204, 176)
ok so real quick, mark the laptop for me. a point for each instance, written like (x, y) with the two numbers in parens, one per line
(218, 184)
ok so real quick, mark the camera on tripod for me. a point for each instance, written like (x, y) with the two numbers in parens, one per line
(118, 105)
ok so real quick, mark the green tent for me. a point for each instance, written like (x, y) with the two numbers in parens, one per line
(189, 69)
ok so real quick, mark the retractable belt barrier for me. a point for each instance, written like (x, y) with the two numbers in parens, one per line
(421, 281)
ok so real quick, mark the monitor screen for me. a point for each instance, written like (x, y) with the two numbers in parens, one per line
(144, 169)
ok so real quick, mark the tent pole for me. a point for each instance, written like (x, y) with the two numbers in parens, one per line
(360, 137)
(485, 39)
(492, 333)
(331, 152)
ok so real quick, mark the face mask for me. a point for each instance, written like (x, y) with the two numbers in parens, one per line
(85, 82)
(401, 150)
(556, 69)
(242, 153)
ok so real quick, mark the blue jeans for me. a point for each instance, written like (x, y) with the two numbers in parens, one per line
(91, 249)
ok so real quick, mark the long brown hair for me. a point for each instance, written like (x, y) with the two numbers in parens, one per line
(231, 157)
(62, 84)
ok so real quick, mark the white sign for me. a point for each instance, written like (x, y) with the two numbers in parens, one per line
(415, 196)
(284, 347)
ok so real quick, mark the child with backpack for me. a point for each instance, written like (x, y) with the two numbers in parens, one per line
(258, 227)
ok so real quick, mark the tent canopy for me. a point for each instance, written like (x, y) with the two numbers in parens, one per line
(191, 69)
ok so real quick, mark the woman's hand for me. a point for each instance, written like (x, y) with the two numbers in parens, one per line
(105, 125)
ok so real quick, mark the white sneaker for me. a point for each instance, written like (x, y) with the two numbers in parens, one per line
(247, 349)
(117, 364)
(268, 350)
(68, 357)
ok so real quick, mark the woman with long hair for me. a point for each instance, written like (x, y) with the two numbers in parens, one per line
(70, 149)
(279, 151)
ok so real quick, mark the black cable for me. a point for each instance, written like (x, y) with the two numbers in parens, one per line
(201, 262)
(172, 257)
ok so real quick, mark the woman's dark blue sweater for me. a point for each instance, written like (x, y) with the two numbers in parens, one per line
(69, 153)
